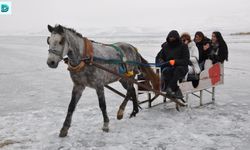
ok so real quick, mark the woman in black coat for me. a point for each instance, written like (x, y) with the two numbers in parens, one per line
(175, 55)
(219, 48)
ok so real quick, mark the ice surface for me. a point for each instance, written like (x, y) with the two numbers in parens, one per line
(34, 101)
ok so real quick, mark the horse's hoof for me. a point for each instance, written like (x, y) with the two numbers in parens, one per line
(119, 117)
(120, 114)
(105, 127)
(63, 132)
(132, 115)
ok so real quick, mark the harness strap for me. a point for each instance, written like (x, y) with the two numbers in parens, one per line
(77, 68)
(88, 51)
(123, 67)
(118, 49)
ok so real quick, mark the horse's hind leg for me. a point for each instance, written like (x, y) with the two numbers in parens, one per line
(122, 107)
(76, 95)
(130, 95)
(102, 104)
(135, 101)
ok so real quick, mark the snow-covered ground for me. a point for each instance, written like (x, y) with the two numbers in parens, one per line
(34, 100)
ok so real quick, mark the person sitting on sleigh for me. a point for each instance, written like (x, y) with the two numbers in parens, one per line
(175, 57)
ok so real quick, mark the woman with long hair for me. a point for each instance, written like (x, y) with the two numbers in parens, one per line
(219, 48)
(203, 45)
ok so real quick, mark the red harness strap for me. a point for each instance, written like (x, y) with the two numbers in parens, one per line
(88, 51)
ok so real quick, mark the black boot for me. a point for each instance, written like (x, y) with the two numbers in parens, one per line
(178, 94)
(170, 92)
(164, 85)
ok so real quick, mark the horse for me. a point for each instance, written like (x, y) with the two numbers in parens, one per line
(66, 42)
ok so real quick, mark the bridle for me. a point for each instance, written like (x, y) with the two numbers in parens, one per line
(56, 52)
(87, 51)
(88, 54)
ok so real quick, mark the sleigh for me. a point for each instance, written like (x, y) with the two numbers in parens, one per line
(207, 80)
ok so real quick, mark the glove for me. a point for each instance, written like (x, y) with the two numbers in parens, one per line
(172, 62)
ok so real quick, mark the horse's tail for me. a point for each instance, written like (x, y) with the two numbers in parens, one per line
(149, 74)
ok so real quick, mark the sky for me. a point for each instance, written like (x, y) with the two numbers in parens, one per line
(33, 15)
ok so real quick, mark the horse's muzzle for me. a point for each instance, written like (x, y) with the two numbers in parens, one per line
(52, 64)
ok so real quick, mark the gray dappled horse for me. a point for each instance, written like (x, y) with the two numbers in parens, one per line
(67, 42)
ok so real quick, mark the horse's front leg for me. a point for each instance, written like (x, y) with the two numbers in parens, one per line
(76, 95)
(102, 105)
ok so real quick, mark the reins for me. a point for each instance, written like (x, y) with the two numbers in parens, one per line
(89, 58)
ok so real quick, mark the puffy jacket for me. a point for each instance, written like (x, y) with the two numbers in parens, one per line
(194, 57)
(174, 50)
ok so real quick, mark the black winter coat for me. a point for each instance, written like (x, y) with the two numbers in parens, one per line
(177, 51)
(220, 53)
(203, 55)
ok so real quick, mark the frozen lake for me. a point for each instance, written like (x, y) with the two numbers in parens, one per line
(34, 101)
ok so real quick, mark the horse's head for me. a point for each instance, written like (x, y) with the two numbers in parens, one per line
(58, 47)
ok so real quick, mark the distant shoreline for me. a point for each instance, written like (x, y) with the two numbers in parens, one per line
(241, 33)
(153, 35)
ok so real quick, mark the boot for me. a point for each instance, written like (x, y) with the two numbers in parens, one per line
(170, 92)
(178, 94)
(164, 85)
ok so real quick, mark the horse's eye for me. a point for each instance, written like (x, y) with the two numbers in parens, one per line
(62, 41)
(48, 40)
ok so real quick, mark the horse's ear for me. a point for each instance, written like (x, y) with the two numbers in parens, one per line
(50, 28)
(48, 40)
(59, 29)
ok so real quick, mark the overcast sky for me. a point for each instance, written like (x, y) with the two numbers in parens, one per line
(34, 15)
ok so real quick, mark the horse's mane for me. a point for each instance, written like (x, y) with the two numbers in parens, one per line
(69, 29)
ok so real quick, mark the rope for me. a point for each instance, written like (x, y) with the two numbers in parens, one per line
(122, 61)
(117, 61)
(118, 50)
